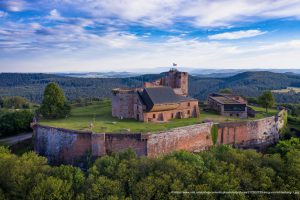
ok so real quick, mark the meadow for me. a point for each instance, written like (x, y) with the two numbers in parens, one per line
(287, 90)
(97, 117)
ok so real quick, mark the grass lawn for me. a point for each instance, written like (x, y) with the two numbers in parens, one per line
(261, 112)
(294, 122)
(99, 114)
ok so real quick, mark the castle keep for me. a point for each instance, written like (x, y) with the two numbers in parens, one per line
(159, 101)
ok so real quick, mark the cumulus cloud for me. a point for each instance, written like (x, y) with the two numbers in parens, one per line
(13, 5)
(201, 13)
(236, 35)
(3, 14)
(54, 14)
(119, 53)
(144, 32)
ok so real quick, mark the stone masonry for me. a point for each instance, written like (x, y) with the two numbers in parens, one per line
(68, 146)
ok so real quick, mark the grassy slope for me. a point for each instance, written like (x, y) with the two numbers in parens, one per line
(100, 115)
(261, 112)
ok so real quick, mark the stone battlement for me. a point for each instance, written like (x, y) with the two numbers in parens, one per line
(69, 146)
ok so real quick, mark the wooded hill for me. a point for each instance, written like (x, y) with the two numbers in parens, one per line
(250, 84)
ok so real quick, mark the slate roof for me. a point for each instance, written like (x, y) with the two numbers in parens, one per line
(224, 99)
(160, 95)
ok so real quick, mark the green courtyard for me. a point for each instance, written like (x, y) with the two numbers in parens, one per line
(99, 115)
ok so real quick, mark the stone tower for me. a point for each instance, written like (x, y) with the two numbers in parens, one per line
(174, 79)
(177, 80)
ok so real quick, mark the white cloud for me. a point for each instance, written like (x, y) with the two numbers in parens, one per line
(55, 15)
(3, 14)
(14, 5)
(236, 35)
(105, 44)
(160, 13)
(201, 13)
(121, 50)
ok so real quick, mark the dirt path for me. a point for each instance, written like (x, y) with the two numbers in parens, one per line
(15, 139)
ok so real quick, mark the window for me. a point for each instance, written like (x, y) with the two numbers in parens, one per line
(189, 112)
(154, 116)
(189, 104)
(172, 115)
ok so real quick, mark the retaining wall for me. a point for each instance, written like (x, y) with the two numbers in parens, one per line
(191, 138)
(68, 146)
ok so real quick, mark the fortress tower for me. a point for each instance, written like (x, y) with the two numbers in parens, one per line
(177, 80)
(174, 79)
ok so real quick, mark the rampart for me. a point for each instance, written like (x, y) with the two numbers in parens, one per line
(69, 146)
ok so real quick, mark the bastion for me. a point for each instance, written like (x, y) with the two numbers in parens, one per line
(64, 146)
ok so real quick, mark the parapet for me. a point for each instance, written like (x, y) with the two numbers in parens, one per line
(123, 90)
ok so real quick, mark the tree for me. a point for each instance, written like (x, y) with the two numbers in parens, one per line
(252, 100)
(266, 100)
(51, 188)
(226, 91)
(15, 122)
(103, 188)
(214, 134)
(54, 103)
(15, 102)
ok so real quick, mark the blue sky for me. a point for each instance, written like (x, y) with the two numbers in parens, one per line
(105, 35)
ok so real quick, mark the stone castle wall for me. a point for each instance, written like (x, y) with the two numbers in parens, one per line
(252, 134)
(191, 138)
(61, 145)
(67, 146)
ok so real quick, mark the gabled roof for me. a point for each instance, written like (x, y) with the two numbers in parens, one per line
(158, 95)
(224, 98)
(161, 98)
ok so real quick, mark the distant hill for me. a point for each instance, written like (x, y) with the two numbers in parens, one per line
(32, 86)
(99, 74)
(250, 84)
(232, 72)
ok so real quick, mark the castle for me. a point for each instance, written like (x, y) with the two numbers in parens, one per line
(158, 101)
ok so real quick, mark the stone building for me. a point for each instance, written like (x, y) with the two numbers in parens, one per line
(228, 105)
(174, 79)
(159, 101)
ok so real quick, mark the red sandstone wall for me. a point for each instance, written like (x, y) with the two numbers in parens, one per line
(247, 134)
(98, 144)
(61, 145)
(121, 142)
(67, 146)
(123, 105)
(251, 133)
(167, 115)
(191, 138)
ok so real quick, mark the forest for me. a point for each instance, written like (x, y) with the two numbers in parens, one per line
(249, 84)
(125, 176)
